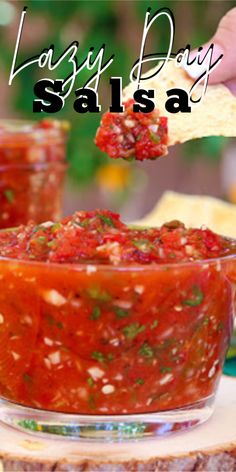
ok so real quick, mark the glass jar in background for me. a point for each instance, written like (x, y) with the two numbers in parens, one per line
(32, 170)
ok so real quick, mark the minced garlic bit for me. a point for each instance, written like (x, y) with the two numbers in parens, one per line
(114, 341)
(1, 318)
(55, 357)
(48, 341)
(30, 279)
(129, 123)
(149, 401)
(96, 372)
(153, 128)
(107, 389)
(47, 363)
(15, 355)
(90, 269)
(218, 266)
(167, 378)
(54, 297)
(26, 320)
(189, 249)
(212, 370)
(47, 224)
(178, 308)
(82, 393)
(124, 304)
(139, 289)
(118, 377)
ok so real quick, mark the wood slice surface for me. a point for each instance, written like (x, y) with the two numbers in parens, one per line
(208, 447)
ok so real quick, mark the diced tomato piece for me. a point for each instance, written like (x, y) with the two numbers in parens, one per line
(133, 135)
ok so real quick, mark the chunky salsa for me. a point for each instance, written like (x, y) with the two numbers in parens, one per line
(133, 135)
(32, 169)
(100, 318)
(100, 237)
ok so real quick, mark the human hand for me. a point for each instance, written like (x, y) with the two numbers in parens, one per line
(224, 42)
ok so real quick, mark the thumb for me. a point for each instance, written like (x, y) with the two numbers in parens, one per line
(224, 43)
(224, 40)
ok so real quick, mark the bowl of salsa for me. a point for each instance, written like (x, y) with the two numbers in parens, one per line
(109, 331)
(32, 170)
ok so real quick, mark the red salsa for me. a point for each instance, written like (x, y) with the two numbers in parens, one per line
(135, 320)
(32, 169)
(133, 135)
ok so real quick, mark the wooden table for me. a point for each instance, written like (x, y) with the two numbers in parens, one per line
(209, 447)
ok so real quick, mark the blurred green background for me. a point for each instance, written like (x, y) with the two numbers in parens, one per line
(119, 25)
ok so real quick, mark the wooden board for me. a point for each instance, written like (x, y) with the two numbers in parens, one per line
(209, 447)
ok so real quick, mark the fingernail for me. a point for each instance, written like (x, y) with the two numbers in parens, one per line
(195, 69)
(231, 84)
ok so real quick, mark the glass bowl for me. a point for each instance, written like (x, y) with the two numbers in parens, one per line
(32, 171)
(99, 352)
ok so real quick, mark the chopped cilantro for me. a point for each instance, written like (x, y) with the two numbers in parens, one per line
(165, 370)
(176, 358)
(97, 294)
(155, 137)
(166, 343)
(9, 194)
(98, 356)
(90, 381)
(196, 299)
(41, 239)
(141, 244)
(154, 324)
(139, 381)
(108, 221)
(172, 255)
(120, 312)
(50, 319)
(39, 228)
(132, 330)
(146, 350)
(52, 322)
(85, 222)
(96, 313)
(27, 378)
(55, 227)
(220, 326)
(91, 402)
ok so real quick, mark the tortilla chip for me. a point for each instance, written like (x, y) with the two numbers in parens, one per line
(214, 116)
(194, 211)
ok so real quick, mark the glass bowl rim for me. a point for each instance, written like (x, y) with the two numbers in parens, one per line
(88, 267)
(32, 165)
(26, 133)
